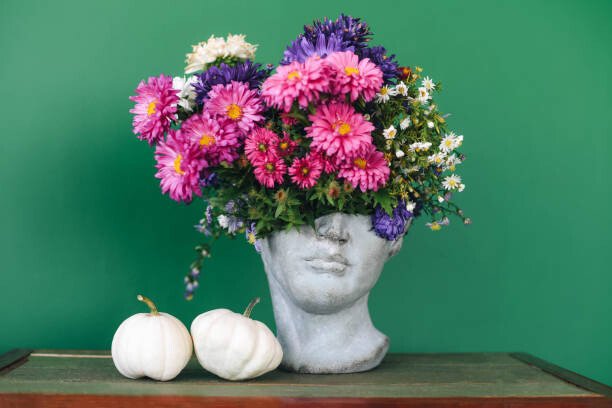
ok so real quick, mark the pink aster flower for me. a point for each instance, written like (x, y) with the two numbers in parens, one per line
(337, 129)
(155, 108)
(261, 145)
(178, 168)
(218, 140)
(286, 145)
(306, 171)
(354, 77)
(301, 82)
(270, 172)
(236, 102)
(368, 170)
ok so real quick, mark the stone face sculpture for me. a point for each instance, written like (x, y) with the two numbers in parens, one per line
(319, 281)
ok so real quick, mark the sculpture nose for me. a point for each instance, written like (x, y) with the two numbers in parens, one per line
(331, 227)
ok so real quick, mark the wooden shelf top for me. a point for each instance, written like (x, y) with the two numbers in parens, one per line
(401, 378)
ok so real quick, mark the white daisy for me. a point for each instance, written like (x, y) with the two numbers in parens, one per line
(430, 124)
(401, 88)
(399, 154)
(405, 123)
(423, 96)
(390, 132)
(437, 158)
(419, 146)
(410, 205)
(208, 51)
(452, 182)
(452, 161)
(384, 94)
(428, 84)
(186, 94)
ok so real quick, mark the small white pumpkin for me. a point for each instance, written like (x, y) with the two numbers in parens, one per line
(155, 345)
(234, 346)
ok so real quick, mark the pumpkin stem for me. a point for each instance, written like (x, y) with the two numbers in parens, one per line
(149, 303)
(249, 309)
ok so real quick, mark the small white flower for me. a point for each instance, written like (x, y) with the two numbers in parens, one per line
(423, 96)
(405, 123)
(437, 158)
(384, 94)
(450, 142)
(186, 94)
(452, 161)
(402, 89)
(440, 199)
(410, 205)
(223, 221)
(461, 187)
(452, 182)
(419, 146)
(430, 124)
(390, 132)
(399, 154)
(208, 51)
(428, 84)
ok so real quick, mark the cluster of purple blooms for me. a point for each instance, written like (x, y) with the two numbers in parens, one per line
(393, 226)
(344, 34)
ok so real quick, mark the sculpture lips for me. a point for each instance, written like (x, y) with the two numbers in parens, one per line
(333, 263)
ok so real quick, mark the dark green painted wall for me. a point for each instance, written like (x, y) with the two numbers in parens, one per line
(83, 227)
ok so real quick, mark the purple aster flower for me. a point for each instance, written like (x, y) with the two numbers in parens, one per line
(391, 227)
(352, 31)
(251, 236)
(246, 72)
(230, 207)
(387, 63)
(302, 48)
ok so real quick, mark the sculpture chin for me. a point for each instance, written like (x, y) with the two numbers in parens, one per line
(320, 280)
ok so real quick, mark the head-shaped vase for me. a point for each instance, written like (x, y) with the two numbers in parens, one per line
(320, 279)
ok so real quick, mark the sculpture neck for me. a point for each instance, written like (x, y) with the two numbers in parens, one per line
(342, 341)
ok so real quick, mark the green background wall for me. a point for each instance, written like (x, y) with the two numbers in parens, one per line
(83, 227)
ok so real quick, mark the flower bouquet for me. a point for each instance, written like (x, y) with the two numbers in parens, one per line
(337, 126)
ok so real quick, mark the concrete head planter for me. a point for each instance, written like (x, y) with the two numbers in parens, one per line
(320, 280)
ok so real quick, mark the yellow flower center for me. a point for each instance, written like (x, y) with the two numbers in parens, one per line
(177, 165)
(294, 75)
(448, 143)
(384, 90)
(283, 145)
(207, 140)
(233, 111)
(269, 166)
(151, 108)
(262, 147)
(361, 163)
(351, 71)
(435, 227)
(344, 128)
(305, 170)
(423, 92)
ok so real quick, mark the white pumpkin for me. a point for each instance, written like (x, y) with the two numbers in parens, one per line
(155, 345)
(234, 346)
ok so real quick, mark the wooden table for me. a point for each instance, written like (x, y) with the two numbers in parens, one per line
(64, 378)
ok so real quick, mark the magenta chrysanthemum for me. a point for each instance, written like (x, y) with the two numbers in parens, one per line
(301, 82)
(217, 140)
(261, 145)
(155, 108)
(337, 129)
(353, 76)
(236, 102)
(270, 172)
(306, 171)
(368, 170)
(178, 167)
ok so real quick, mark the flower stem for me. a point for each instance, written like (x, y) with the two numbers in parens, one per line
(249, 309)
(149, 303)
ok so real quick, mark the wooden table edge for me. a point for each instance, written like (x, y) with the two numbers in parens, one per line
(120, 401)
(564, 374)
